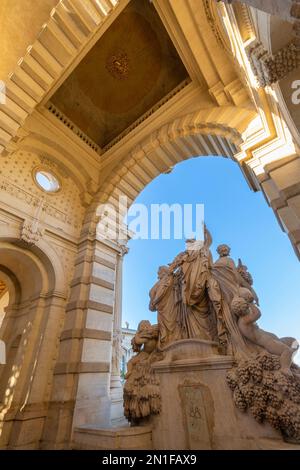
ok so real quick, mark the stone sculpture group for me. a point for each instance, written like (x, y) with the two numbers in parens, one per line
(196, 297)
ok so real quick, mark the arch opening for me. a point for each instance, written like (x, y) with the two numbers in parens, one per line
(30, 280)
(234, 216)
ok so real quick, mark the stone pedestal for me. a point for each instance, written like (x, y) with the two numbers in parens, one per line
(197, 409)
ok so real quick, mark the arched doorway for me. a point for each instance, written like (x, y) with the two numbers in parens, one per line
(30, 331)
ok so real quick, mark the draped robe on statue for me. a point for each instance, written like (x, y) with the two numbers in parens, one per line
(226, 275)
(198, 295)
(164, 299)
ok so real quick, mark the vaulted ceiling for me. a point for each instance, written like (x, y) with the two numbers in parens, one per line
(130, 69)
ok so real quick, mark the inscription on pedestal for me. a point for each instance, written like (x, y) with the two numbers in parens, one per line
(195, 418)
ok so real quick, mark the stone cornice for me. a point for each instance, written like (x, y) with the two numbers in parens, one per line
(207, 363)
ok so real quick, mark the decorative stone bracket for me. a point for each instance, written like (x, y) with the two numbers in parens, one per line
(31, 232)
(268, 68)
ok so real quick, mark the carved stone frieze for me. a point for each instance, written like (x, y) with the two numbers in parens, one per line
(28, 196)
(213, 24)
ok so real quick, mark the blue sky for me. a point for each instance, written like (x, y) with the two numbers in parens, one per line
(234, 215)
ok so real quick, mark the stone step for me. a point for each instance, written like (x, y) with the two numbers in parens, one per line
(274, 444)
(94, 437)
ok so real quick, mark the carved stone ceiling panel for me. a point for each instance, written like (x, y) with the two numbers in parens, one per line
(130, 69)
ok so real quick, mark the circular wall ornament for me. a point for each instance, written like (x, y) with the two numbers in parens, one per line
(46, 180)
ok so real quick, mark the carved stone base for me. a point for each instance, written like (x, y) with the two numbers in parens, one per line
(197, 410)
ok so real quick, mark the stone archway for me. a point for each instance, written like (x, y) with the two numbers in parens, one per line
(98, 281)
(85, 366)
(225, 131)
(30, 331)
(220, 131)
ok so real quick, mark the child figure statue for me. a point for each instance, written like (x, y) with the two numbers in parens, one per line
(248, 313)
(141, 390)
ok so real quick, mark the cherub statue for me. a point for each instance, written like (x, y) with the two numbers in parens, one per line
(248, 313)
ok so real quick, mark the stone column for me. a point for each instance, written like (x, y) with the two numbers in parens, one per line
(81, 389)
(116, 388)
(93, 364)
